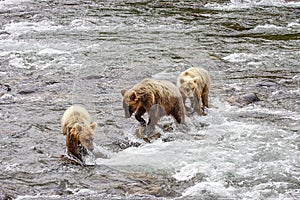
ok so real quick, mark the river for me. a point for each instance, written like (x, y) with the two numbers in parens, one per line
(57, 53)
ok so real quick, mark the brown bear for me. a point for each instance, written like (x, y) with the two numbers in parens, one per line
(157, 98)
(194, 83)
(79, 128)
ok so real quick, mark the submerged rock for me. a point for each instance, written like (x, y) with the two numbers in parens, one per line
(140, 133)
(243, 100)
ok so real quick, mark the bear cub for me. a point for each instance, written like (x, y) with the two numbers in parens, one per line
(79, 128)
(194, 83)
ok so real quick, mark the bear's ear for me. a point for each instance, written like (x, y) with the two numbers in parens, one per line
(123, 91)
(78, 127)
(133, 96)
(186, 73)
(93, 125)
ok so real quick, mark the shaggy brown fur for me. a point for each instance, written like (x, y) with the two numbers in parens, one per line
(194, 83)
(79, 128)
(157, 98)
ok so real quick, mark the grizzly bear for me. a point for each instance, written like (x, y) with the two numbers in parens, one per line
(79, 128)
(157, 98)
(194, 83)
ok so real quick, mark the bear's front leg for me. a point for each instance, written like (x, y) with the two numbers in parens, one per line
(198, 104)
(138, 116)
(155, 113)
(72, 145)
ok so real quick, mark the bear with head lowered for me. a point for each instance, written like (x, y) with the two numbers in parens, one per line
(157, 98)
(79, 128)
(194, 83)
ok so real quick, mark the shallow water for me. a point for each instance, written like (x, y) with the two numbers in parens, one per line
(58, 53)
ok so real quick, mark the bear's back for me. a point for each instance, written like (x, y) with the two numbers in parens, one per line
(194, 72)
(75, 114)
(160, 87)
(203, 73)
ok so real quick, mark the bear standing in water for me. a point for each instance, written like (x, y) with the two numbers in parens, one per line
(157, 98)
(79, 128)
(194, 83)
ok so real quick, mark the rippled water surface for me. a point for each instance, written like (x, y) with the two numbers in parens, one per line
(57, 53)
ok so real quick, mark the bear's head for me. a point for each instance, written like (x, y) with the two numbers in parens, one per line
(188, 86)
(131, 101)
(84, 134)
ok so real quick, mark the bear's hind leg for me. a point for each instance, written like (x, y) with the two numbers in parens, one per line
(205, 97)
(179, 115)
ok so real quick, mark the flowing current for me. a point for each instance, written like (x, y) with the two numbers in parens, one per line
(57, 53)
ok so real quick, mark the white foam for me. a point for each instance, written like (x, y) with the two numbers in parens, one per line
(38, 196)
(246, 4)
(85, 25)
(241, 57)
(5, 3)
(84, 192)
(187, 172)
(27, 27)
(216, 188)
(7, 97)
(293, 25)
(51, 51)
(268, 28)
(18, 62)
(154, 156)
(10, 167)
(4, 53)
(3, 73)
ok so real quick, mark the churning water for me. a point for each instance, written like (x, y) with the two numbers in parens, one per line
(57, 53)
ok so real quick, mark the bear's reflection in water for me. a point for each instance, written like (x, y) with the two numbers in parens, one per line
(140, 133)
(87, 157)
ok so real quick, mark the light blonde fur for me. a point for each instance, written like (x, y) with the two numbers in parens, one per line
(79, 128)
(194, 83)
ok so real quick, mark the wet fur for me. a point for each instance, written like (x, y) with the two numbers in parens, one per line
(194, 83)
(162, 97)
(79, 128)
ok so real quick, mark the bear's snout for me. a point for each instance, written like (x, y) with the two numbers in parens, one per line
(128, 110)
(91, 147)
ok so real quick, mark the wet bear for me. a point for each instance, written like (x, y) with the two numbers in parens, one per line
(78, 127)
(157, 98)
(194, 83)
